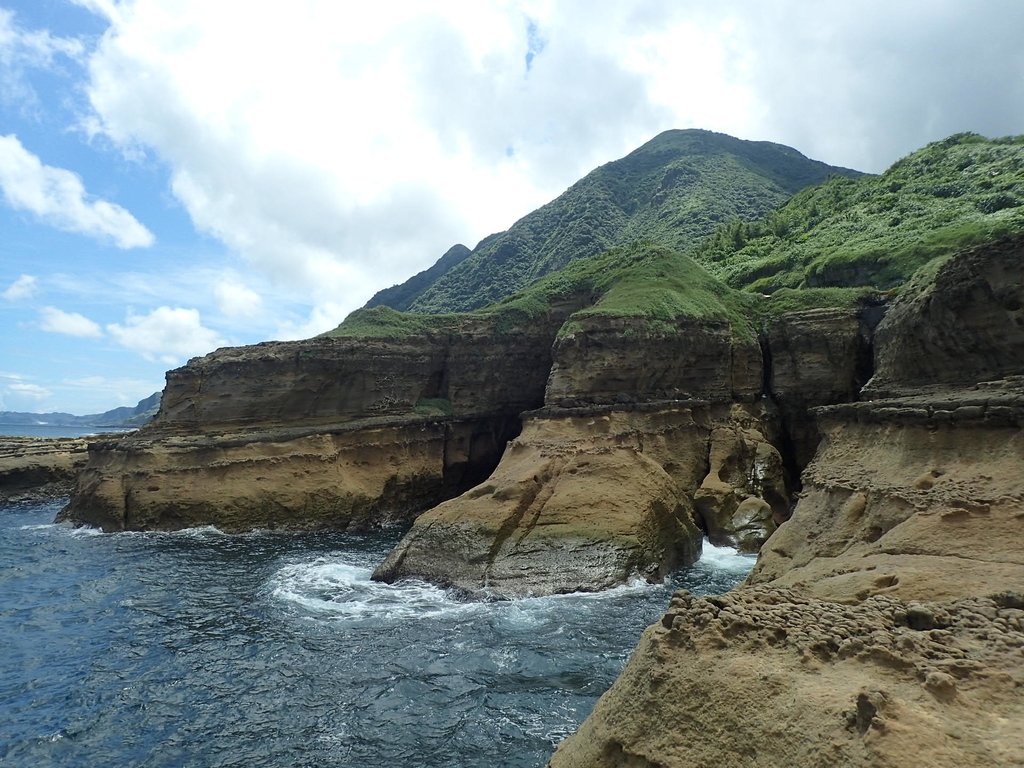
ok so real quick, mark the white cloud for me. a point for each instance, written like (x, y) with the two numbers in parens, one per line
(55, 320)
(323, 317)
(22, 288)
(28, 390)
(58, 197)
(167, 334)
(22, 50)
(372, 140)
(237, 300)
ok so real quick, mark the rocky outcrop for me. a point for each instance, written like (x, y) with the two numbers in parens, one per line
(355, 476)
(591, 494)
(40, 468)
(816, 357)
(581, 501)
(884, 621)
(339, 433)
(625, 359)
(961, 325)
(766, 676)
(744, 497)
(903, 493)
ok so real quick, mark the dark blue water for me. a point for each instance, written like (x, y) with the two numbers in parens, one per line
(268, 649)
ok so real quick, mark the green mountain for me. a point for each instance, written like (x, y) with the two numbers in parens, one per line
(402, 296)
(878, 230)
(829, 245)
(674, 190)
(125, 416)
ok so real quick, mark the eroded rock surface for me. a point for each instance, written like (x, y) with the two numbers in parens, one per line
(580, 502)
(766, 676)
(35, 467)
(816, 357)
(591, 494)
(966, 325)
(324, 433)
(883, 624)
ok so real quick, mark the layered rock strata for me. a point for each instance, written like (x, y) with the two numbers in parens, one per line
(592, 494)
(338, 433)
(884, 622)
(816, 357)
(38, 468)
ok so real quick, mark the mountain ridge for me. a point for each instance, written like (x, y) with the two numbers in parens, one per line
(673, 190)
(122, 416)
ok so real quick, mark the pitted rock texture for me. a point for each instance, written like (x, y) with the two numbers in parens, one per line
(588, 498)
(36, 468)
(765, 676)
(882, 624)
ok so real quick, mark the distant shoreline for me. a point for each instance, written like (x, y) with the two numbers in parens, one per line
(58, 430)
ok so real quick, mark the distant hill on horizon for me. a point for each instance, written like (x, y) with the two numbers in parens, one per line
(125, 416)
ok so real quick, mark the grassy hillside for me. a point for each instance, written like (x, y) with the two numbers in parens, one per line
(877, 231)
(647, 281)
(830, 245)
(674, 190)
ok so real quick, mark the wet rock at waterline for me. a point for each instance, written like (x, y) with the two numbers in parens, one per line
(588, 498)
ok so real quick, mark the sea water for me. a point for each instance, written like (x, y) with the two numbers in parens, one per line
(270, 649)
(55, 430)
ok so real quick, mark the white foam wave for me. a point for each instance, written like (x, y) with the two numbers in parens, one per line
(726, 558)
(334, 589)
(67, 528)
(199, 532)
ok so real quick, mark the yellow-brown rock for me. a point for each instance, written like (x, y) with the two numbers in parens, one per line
(321, 433)
(580, 501)
(590, 497)
(769, 677)
(743, 497)
(36, 467)
(883, 624)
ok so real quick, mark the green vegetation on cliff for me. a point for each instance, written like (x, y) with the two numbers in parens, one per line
(833, 245)
(674, 190)
(877, 231)
(646, 282)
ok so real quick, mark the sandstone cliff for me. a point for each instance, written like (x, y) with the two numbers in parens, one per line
(34, 467)
(329, 432)
(883, 623)
(649, 433)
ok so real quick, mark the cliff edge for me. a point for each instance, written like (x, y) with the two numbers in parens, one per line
(883, 624)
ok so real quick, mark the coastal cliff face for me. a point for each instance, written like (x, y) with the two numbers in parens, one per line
(649, 436)
(338, 433)
(884, 621)
(34, 467)
(816, 357)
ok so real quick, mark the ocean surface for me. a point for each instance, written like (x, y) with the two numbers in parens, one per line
(268, 649)
(51, 430)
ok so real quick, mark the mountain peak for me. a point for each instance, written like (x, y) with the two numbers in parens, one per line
(673, 190)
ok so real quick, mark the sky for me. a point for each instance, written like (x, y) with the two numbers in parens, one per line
(179, 175)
